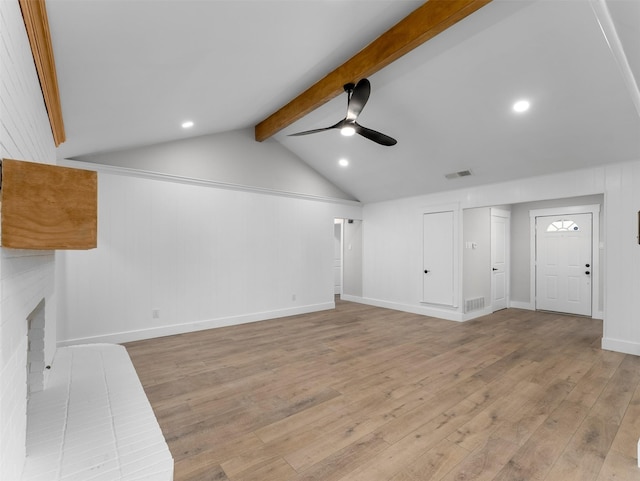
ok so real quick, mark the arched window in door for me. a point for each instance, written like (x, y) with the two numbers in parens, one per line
(563, 225)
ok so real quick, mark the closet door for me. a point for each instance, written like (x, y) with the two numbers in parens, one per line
(500, 239)
(438, 258)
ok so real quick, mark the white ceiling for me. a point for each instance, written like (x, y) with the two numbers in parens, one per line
(131, 71)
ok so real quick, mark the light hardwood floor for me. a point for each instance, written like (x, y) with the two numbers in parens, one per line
(364, 394)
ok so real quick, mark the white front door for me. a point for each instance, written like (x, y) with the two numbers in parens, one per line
(438, 260)
(564, 263)
(499, 259)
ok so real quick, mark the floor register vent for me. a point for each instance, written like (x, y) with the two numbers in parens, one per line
(473, 304)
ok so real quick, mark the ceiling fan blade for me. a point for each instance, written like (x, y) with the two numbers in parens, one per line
(358, 99)
(307, 132)
(378, 137)
(315, 131)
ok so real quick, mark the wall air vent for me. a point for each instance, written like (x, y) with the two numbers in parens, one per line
(473, 304)
(455, 175)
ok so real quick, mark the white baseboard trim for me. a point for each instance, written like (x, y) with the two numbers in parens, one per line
(449, 315)
(440, 313)
(161, 331)
(619, 345)
(522, 305)
(529, 306)
(467, 316)
(350, 298)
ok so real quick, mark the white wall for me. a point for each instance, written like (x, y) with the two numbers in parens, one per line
(392, 254)
(26, 277)
(201, 255)
(622, 264)
(231, 158)
(476, 262)
(392, 241)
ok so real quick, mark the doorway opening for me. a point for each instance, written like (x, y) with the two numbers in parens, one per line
(486, 259)
(348, 259)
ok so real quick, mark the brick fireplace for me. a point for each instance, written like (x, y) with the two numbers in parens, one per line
(35, 349)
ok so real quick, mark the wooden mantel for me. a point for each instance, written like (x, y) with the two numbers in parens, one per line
(48, 206)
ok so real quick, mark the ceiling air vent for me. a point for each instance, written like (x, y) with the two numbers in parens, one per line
(455, 175)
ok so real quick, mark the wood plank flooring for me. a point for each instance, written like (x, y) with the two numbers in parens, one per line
(361, 393)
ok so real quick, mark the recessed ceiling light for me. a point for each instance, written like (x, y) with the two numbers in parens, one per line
(521, 106)
(343, 162)
(187, 125)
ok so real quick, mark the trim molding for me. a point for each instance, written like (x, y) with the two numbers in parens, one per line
(619, 345)
(34, 13)
(467, 316)
(594, 210)
(528, 306)
(145, 174)
(610, 34)
(350, 298)
(439, 313)
(141, 334)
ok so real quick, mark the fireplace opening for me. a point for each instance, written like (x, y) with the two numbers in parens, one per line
(35, 349)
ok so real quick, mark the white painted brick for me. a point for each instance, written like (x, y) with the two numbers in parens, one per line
(163, 472)
(104, 459)
(27, 277)
(40, 473)
(109, 429)
(37, 334)
(108, 470)
(37, 352)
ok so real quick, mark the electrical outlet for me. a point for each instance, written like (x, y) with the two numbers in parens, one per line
(155, 313)
(293, 297)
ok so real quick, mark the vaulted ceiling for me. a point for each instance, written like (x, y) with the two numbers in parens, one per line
(130, 72)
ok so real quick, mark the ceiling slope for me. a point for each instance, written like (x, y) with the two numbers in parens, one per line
(449, 105)
(419, 26)
(131, 72)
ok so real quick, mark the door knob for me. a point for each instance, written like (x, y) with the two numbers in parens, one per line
(587, 265)
(587, 272)
(494, 269)
(426, 271)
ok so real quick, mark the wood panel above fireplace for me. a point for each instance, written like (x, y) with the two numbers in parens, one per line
(47, 206)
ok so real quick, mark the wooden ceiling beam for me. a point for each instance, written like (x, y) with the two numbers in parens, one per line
(422, 24)
(34, 13)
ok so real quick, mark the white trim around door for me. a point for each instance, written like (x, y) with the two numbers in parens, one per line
(594, 209)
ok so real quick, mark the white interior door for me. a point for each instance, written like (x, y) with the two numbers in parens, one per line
(499, 259)
(438, 258)
(564, 263)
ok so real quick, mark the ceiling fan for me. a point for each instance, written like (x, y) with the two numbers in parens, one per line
(357, 96)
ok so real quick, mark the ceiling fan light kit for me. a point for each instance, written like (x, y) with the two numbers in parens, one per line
(348, 131)
(357, 96)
